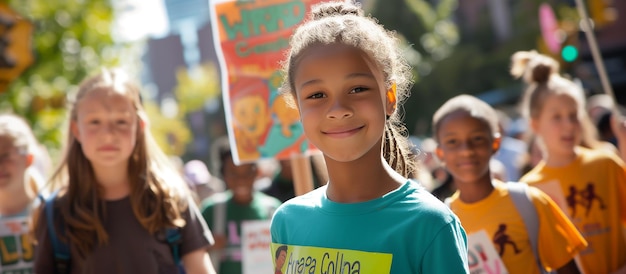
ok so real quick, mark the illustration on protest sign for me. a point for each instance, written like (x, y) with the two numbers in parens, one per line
(251, 39)
(15, 45)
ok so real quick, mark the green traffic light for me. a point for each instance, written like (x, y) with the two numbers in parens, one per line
(569, 53)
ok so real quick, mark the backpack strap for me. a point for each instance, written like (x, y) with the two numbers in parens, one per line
(174, 239)
(61, 250)
(524, 205)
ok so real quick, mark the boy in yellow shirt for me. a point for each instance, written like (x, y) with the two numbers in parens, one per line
(466, 131)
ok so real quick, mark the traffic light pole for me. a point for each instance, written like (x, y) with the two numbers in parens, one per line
(595, 53)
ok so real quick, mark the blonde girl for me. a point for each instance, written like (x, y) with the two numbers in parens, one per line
(348, 79)
(119, 193)
(19, 181)
(588, 183)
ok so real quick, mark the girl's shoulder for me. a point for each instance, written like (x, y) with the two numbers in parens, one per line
(411, 202)
(426, 205)
(295, 208)
(600, 157)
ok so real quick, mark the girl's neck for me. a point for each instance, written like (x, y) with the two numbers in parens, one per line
(114, 184)
(14, 202)
(358, 181)
(472, 192)
(560, 159)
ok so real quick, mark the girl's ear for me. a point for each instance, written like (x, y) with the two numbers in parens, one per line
(391, 99)
(143, 120)
(30, 158)
(439, 152)
(74, 130)
(497, 140)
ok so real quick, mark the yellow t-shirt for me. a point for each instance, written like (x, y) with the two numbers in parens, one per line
(592, 192)
(558, 242)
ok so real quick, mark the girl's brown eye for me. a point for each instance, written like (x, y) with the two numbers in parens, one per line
(359, 89)
(316, 96)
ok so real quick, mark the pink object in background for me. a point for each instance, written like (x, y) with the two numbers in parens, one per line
(549, 28)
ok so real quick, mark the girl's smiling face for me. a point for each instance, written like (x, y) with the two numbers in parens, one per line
(466, 145)
(341, 98)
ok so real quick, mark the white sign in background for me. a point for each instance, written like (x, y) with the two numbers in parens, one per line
(482, 255)
(255, 244)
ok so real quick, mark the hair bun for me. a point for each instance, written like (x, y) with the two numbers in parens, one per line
(336, 9)
(533, 67)
(541, 72)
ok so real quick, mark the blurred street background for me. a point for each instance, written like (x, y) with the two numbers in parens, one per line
(454, 47)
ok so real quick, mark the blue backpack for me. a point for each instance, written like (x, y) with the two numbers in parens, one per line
(62, 250)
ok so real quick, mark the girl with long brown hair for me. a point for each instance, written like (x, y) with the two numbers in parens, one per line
(118, 194)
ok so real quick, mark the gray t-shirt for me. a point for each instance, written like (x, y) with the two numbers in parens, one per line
(131, 249)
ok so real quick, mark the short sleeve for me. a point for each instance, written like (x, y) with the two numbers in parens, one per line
(447, 253)
(559, 240)
(195, 233)
(277, 225)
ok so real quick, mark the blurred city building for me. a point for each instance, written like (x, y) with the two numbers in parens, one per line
(178, 36)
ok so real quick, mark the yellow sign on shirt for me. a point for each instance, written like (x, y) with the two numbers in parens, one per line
(291, 259)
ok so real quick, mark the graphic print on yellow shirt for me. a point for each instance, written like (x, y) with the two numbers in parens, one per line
(501, 239)
(584, 198)
(292, 259)
(593, 191)
(558, 239)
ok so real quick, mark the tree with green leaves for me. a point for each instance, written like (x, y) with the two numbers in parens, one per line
(71, 40)
(453, 58)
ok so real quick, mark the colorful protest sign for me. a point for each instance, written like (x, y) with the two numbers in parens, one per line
(256, 240)
(293, 259)
(16, 248)
(251, 38)
(482, 256)
(15, 45)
